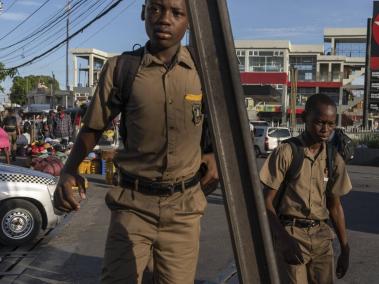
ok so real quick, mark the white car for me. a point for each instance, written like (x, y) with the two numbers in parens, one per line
(267, 138)
(26, 205)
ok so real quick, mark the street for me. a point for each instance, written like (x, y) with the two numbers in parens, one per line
(72, 252)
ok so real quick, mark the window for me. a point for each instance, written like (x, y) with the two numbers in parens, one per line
(266, 61)
(278, 132)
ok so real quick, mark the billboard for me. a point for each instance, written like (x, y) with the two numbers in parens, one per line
(373, 94)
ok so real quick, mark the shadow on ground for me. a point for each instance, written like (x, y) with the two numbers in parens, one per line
(362, 211)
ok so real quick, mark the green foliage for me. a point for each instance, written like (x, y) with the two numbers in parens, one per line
(4, 74)
(22, 85)
(371, 140)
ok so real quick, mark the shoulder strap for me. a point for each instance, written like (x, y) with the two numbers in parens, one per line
(331, 153)
(123, 77)
(293, 171)
(125, 72)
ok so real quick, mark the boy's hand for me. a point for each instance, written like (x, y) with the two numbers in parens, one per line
(291, 250)
(211, 174)
(68, 187)
(343, 262)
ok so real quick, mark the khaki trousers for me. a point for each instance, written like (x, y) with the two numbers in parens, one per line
(317, 251)
(141, 226)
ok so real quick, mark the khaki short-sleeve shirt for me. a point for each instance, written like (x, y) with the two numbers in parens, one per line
(163, 118)
(305, 196)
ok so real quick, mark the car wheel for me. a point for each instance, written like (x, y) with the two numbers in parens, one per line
(257, 151)
(20, 220)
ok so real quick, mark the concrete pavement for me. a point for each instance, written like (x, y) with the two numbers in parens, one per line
(74, 251)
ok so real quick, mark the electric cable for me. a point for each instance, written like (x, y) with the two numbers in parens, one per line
(90, 37)
(47, 37)
(27, 18)
(51, 22)
(114, 5)
(9, 7)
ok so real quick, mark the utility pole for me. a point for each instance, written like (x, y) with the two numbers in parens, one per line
(367, 89)
(67, 42)
(293, 73)
(231, 139)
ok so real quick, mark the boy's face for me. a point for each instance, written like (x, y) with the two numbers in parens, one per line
(321, 122)
(165, 22)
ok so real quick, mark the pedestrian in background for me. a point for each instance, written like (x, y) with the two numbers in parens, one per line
(62, 126)
(302, 237)
(4, 144)
(12, 128)
(157, 208)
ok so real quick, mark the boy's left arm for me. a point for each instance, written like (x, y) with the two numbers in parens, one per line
(337, 217)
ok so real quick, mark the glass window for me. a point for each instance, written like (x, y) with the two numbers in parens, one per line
(278, 132)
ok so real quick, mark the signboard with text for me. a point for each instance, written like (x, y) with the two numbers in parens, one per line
(373, 94)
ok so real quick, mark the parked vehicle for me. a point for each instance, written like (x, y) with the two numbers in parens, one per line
(26, 205)
(267, 138)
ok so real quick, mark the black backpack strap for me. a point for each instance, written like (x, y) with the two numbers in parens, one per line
(123, 77)
(293, 171)
(331, 153)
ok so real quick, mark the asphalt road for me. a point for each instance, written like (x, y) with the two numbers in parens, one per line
(73, 251)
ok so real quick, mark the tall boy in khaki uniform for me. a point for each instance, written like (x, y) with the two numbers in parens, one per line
(156, 210)
(303, 238)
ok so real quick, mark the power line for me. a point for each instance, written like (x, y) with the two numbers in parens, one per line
(51, 37)
(91, 36)
(10, 6)
(27, 18)
(115, 4)
(51, 22)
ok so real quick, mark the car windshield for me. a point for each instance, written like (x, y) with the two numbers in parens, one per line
(278, 132)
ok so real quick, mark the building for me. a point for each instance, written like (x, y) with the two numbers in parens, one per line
(87, 63)
(336, 68)
(44, 95)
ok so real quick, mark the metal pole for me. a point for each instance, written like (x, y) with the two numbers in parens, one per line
(367, 75)
(67, 43)
(244, 203)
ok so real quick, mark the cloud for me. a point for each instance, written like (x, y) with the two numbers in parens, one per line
(8, 16)
(282, 32)
(29, 3)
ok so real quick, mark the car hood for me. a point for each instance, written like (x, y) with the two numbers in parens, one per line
(10, 173)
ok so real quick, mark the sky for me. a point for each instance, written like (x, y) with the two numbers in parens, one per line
(300, 21)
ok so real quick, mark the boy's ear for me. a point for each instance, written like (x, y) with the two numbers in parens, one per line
(143, 13)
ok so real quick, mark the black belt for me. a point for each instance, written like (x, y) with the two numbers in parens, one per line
(298, 222)
(160, 188)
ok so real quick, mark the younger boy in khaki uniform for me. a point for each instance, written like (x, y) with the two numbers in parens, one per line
(156, 210)
(303, 238)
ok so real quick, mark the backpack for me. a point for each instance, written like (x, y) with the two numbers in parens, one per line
(339, 143)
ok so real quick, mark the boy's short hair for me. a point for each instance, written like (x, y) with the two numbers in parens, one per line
(316, 100)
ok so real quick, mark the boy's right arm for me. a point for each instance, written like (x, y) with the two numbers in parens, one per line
(64, 194)
(288, 245)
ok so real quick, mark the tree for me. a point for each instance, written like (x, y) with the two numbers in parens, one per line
(4, 73)
(22, 85)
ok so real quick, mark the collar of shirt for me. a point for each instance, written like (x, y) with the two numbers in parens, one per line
(307, 152)
(182, 57)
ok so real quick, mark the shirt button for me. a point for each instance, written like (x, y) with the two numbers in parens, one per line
(170, 101)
